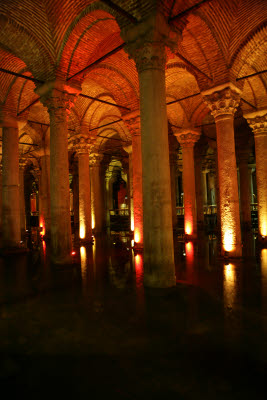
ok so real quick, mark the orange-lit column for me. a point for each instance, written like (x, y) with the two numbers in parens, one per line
(22, 165)
(59, 99)
(173, 169)
(82, 147)
(258, 123)
(146, 45)
(1, 196)
(187, 138)
(97, 193)
(44, 194)
(11, 234)
(133, 123)
(245, 194)
(199, 191)
(129, 150)
(223, 101)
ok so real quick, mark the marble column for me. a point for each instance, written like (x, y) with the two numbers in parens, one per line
(11, 233)
(187, 139)
(258, 122)
(97, 193)
(59, 98)
(44, 195)
(199, 191)
(129, 150)
(22, 165)
(223, 101)
(245, 194)
(145, 43)
(132, 122)
(82, 146)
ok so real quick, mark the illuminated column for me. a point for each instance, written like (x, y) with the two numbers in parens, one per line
(44, 195)
(59, 98)
(128, 150)
(82, 146)
(245, 194)
(173, 168)
(187, 138)
(199, 191)
(258, 123)
(204, 186)
(133, 123)
(75, 190)
(97, 193)
(223, 101)
(1, 196)
(22, 165)
(11, 234)
(146, 45)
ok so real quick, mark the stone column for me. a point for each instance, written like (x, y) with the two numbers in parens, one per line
(97, 193)
(75, 190)
(245, 194)
(59, 98)
(1, 197)
(82, 146)
(173, 169)
(44, 195)
(133, 124)
(204, 186)
(258, 122)
(187, 138)
(146, 45)
(22, 165)
(223, 101)
(11, 234)
(199, 191)
(129, 150)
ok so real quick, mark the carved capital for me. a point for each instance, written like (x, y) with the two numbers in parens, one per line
(81, 144)
(222, 100)
(187, 137)
(95, 159)
(146, 41)
(258, 122)
(133, 123)
(22, 163)
(58, 97)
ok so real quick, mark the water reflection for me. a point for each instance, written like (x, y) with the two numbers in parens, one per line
(229, 285)
(189, 251)
(264, 279)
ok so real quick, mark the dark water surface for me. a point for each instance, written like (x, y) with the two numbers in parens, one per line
(92, 329)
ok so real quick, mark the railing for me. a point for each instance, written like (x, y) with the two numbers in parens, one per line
(179, 210)
(254, 207)
(211, 209)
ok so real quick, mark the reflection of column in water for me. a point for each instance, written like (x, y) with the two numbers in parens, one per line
(189, 250)
(139, 275)
(83, 265)
(229, 285)
(264, 279)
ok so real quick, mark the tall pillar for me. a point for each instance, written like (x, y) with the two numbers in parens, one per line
(187, 138)
(22, 165)
(173, 169)
(82, 147)
(199, 191)
(245, 194)
(59, 98)
(44, 195)
(133, 124)
(11, 234)
(223, 101)
(204, 187)
(1, 196)
(146, 45)
(75, 191)
(97, 193)
(258, 123)
(129, 150)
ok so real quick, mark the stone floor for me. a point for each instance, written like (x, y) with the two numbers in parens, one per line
(93, 329)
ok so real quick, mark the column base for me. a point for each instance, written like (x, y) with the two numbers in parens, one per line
(262, 240)
(232, 254)
(138, 247)
(155, 281)
(190, 238)
(86, 241)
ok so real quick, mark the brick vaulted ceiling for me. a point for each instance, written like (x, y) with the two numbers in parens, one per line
(222, 40)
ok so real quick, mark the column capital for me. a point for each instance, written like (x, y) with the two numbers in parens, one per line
(7, 120)
(187, 137)
(128, 149)
(146, 41)
(58, 96)
(258, 122)
(22, 163)
(133, 123)
(222, 100)
(95, 159)
(82, 144)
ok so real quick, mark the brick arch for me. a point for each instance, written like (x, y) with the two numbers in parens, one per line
(18, 41)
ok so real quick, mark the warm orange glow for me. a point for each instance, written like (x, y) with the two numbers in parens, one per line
(263, 228)
(73, 253)
(82, 230)
(132, 223)
(138, 261)
(189, 249)
(93, 221)
(136, 237)
(83, 261)
(188, 228)
(228, 241)
(229, 285)
(264, 262)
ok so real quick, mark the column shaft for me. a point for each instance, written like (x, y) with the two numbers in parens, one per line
(261, 177)
(190, 218)
(44, 196)
(10, 188)
(137, 190)
(199, 192)
(245, 194)
(85, 226)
